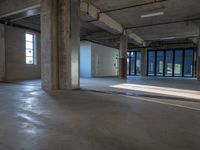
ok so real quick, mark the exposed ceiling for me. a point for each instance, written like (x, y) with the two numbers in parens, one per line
(175, 21)
(181, 20)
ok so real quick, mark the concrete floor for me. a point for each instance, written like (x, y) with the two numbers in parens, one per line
(32, 119)
(182, 92)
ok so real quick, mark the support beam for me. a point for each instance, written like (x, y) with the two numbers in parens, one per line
(60, 42)
(105, 22)
(123, 57)
(11, 7)
(100, 19)
(198, 61)
(137, 39)
(2, 52)
(144, 62)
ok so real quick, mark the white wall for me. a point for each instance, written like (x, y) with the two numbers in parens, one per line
(104, 61)
(85, 59)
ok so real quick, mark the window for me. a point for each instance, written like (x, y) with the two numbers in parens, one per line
(138, 63)
(132, 63)
(30, 49)
(128, 63)
(169, 63)
(178, 63)
(188, 63)
(151, 63)
(160, 63)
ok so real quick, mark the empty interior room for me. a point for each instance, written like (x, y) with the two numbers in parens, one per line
(99, 75)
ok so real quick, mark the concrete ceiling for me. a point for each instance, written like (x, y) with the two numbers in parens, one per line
(174, 10)
(174, 22)
(181, 20)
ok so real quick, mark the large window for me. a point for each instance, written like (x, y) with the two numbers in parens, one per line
(138, 63)
(151, 62)
(169, 63)
(134, 63)
(128, 62)
(178, 63)
(160, 63)
(30, 49)
(188, 63)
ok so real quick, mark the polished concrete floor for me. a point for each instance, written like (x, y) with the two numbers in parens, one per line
(183, 92)
(32, 119)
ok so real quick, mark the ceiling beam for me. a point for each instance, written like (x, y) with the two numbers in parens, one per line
(135, 6)
(104, 21)
(10, 7)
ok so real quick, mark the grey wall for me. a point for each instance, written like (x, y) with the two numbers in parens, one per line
(2, 52)
(16, 67)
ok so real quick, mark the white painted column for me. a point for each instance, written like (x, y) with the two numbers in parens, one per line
(60, 42)
(2, 53)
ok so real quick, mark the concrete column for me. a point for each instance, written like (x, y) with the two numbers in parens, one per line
(123, 57)
(198, 62)
(2, 52)
(60, 44)
(144, 62)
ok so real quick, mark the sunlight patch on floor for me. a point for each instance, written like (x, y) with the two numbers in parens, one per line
(160, 90)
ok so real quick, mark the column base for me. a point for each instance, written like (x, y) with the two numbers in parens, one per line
(123, 68)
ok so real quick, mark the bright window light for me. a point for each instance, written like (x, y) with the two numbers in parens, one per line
(30, 49)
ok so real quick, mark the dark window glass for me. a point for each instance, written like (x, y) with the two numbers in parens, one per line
(132, 63)
(160, 63)
(151, 63)
(178, 63)
(138, 63)
(188, 63)
(128, 63)
(169, 63)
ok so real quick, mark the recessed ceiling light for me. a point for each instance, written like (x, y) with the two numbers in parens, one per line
(152, 14)
(168, 38)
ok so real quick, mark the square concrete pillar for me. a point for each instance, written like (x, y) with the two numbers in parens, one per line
(144, 62)
(2, 52)
(123, 57)
(60, 44)
(198, 61)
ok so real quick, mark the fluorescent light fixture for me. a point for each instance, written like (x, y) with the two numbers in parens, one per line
(152, 14)
(168, 38)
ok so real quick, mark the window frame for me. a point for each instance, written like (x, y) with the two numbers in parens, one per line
(173, 64)
(135, 54)
(33, 49)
